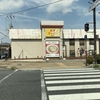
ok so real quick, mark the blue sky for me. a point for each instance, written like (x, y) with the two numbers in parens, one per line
(74, 13)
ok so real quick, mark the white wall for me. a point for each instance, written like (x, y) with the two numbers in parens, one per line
(27, 48)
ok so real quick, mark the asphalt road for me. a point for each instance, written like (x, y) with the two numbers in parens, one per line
(20, 85)
(49, 84)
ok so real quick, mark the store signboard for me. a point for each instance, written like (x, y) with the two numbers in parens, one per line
(52, 49)
(52, 32)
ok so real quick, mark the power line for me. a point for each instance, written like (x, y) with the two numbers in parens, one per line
(4, 34)
(2, 29)
(17, 43)
(3, 10)
(32, 8)
(16, 22)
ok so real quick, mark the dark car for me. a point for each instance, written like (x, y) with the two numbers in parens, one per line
(2, 56)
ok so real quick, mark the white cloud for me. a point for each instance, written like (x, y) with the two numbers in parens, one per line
(81, 10)
(66, 11)
(11, 4)
(63, 6)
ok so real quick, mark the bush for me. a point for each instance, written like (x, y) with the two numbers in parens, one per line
(90, 60)
(96, 66)
(98, 58)
(12, 68)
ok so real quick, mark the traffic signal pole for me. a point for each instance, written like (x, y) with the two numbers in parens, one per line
(94, 26)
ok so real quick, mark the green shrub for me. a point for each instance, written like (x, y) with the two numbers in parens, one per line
(98, 58)
(90, 59)
(12, 68)
(96, 66)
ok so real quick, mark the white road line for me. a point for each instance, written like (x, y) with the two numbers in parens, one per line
(82, 73)
(72, 73)
(57, 88)
(76, 69)
(8, 76)
(43, 90)
(72, 81)
(67, 77)
(83, 96)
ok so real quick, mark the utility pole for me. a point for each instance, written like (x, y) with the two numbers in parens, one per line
(63, 43)
(0, 51)
(93, 7)
(94, 25)
(11, 17)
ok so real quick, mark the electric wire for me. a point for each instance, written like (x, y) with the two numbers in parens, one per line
(32, 8)
(4, 36)
(3, 11)
(27, 10)
(19, 44)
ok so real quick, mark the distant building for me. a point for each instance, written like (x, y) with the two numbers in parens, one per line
(4, 48)
(51, 40)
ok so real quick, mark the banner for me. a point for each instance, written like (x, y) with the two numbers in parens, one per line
(52, 32)
(52, 49)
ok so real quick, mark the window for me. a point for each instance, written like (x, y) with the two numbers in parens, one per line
(81, 42)
(72, 42)
(72, 53)
(91, 42)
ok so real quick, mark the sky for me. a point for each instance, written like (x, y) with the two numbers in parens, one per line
(74, 13)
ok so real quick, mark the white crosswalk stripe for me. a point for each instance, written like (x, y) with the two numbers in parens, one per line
(72, 84)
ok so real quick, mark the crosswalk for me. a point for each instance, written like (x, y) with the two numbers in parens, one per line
(72, 84)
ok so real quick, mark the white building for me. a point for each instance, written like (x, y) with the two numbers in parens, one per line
(51, 40)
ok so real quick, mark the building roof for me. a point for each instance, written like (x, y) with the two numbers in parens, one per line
(5, 44)
(51, 24)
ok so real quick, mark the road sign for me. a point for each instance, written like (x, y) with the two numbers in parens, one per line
(96, 3)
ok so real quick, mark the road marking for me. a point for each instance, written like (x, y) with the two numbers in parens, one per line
(59, 71)
(80, 73)
(72, 81)
(56, 88)
(83, 96)
(8, 76)
(67, 69)
(68, 77)
(43, 90)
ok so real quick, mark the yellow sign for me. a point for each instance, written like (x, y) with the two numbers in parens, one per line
(52, 32)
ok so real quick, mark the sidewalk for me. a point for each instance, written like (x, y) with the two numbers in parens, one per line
(42, 64)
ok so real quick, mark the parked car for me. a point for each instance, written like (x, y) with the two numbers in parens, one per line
(2, 56)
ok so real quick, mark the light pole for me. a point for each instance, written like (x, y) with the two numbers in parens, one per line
(85, 37)
(63, 43)
(94, 25)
